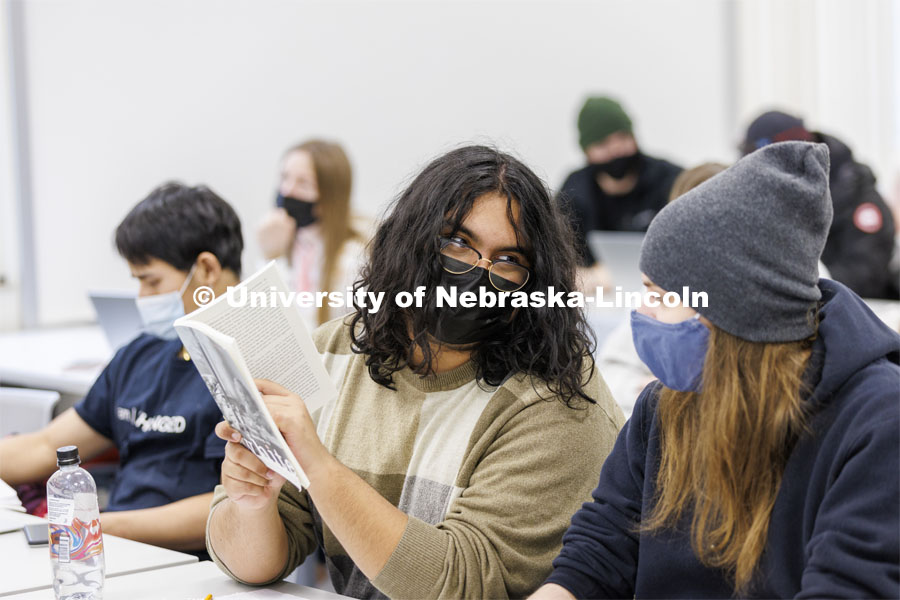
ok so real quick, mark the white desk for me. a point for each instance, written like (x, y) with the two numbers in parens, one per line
(189, 582)
(67, 360)
(886, 310)
(25, 568)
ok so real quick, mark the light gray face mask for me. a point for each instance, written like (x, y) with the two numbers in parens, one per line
(159, 311)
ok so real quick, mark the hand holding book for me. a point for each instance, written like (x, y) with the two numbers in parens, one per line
(293, 420)
(247, 480)
(232, 346)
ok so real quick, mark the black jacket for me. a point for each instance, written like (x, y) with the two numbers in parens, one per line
(591, 209)
(861, 239)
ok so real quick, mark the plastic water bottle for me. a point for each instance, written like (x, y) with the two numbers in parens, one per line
(76, 543)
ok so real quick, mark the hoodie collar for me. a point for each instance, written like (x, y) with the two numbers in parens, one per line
(850, 337)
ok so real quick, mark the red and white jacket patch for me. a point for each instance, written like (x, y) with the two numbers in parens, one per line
(868, 218)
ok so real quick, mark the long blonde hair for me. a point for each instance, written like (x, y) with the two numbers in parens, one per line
(334, 177)
(724, 449)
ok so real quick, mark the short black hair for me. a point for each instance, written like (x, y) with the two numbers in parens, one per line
(175, 223)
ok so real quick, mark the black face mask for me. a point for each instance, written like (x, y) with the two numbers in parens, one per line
(618, 167)
(300, 211)
(463, 326)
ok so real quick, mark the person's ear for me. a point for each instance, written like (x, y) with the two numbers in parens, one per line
(208, 271)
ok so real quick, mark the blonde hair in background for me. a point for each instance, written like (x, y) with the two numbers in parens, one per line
(691, 178)
(334, 177)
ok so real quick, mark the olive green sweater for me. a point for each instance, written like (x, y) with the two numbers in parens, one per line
(488, 476)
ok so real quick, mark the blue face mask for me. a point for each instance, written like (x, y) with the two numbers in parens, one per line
(159, 311)
(674, 352)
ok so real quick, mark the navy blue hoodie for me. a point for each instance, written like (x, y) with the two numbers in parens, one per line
(835, 526)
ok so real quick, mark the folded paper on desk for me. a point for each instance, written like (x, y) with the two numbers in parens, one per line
(231, 346)
(8, 498)
(8, 522)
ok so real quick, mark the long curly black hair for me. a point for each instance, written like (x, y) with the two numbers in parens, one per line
(550, 344)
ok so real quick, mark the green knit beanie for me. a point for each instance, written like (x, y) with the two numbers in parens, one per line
(599, 117)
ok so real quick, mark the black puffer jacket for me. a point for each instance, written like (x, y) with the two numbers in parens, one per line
(861, 239)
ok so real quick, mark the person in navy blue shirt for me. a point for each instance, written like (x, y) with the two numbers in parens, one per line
(150, 401)
(764, 461)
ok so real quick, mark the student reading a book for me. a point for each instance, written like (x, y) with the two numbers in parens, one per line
(460, 437)
(764, 462)
(150, 402)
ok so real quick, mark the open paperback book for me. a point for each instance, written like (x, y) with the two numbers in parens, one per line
(231, 346)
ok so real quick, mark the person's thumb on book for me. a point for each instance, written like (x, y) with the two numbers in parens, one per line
(294, 422)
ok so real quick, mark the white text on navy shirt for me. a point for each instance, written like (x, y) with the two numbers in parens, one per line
(159, 423)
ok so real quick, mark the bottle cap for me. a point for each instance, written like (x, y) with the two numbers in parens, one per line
(67, 455)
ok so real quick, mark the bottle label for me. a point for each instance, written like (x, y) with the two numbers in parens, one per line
(76, 542)
(60, 511)
(63, 548)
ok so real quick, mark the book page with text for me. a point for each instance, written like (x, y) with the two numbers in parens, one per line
(273, 339)
(228, 379)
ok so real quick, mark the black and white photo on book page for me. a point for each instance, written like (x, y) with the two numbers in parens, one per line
(231, 345)
(270, 335)
(241, 404)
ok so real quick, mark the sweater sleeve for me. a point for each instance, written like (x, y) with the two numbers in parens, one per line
(501, 533)
(599, 556)
(854, 550)
(293, 506)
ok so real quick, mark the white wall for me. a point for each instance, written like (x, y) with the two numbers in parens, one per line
(9, 255)
(831, 62)
(128, 94)
(894, 176)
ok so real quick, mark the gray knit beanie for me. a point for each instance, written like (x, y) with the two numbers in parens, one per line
(751, 238)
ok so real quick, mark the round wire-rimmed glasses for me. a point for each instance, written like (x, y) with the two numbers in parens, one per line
(459, 258)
